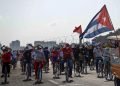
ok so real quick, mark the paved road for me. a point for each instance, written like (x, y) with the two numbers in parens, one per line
(86, 80)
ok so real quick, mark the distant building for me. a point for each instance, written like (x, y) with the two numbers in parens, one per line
(22, 47)
(48, 44)
(15, 45)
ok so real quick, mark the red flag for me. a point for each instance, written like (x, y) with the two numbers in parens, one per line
(78, 29)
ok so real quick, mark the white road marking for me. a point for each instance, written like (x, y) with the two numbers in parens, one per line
(52, 81)
(72, 85)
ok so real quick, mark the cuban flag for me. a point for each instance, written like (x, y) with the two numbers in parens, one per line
(100, 23)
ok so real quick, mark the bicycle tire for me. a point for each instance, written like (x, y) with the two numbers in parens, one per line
(5, 75)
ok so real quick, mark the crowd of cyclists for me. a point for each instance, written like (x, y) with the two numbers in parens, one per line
(70, 60)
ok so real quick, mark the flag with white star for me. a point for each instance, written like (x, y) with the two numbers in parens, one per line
(100, 23)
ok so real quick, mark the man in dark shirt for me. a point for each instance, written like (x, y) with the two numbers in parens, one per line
(47, 53)
(28, 60)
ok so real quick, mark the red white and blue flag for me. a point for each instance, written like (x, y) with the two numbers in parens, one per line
(100, 23)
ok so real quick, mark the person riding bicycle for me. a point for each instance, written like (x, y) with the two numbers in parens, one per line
(28, 60)
(39, 61)
(76, 52)
(97, 55)
(91, 56)
(68, 57)
(61, 59)
(14, 59)
(47, 54)
(6, 59)
(106, 60)
(54, 57)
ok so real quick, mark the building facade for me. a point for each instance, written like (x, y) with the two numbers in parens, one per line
(44, 44)
(15, 45)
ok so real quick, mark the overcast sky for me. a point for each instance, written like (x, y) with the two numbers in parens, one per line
(30, 20)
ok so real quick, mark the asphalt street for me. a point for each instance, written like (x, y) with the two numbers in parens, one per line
(90, 79)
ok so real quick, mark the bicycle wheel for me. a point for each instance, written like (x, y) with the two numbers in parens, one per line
(66, 72)
(46, 68)
(55, 70)
(85, 67)
(110, 74)
(58, 69)
(92, 65)
(27, 71)
(99, 72)
(40, 74)
(79, 70)
(6, 75)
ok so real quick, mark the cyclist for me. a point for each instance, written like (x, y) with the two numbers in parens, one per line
(6, 59)
(91, 57)
(23, 61)
(85, 59)
(97, 55)
(61, 60)
(39, 60)
(14, 59)
(107, 64)
(47, 54)
(68, 56)
(54, 57)
(76, 51)
(81, 57)
(28, 60)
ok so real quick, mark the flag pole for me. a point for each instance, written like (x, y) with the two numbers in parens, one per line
(80, 41)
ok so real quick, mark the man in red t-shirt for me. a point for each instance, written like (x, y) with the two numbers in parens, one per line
(6, 59)
(68, 57)
(54, 57)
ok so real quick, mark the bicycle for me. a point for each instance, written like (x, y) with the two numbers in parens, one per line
(46, 67)
(57, 70)
(100, 69)
(28, 72)
(5, 75)
(66, 71)
(84, 67)
(77, 69)
(92, 64)
(108, 71)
